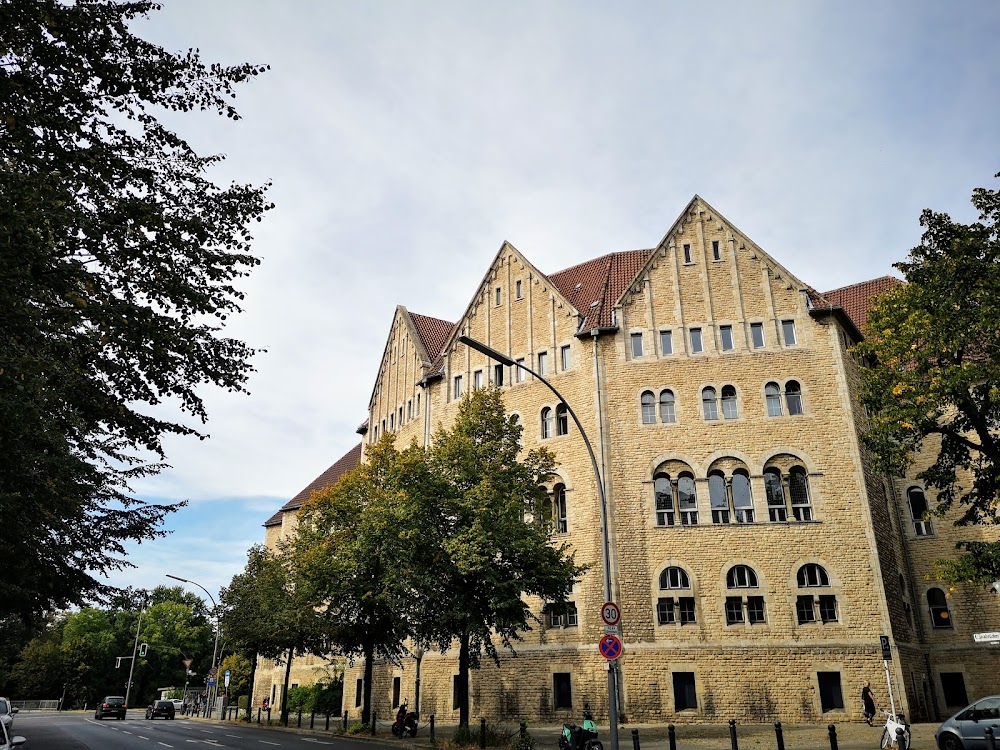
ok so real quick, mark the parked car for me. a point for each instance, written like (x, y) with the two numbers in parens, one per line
(9, 741)
(7, 712)
(160, 708)
(178, 703)
(112, 705)
(966, 729)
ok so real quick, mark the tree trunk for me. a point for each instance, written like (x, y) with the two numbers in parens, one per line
(463, 680)
(284, 693)
(366, 705)
(253, 675)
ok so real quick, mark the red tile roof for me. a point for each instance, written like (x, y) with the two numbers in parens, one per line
(329, 477)
(601, 281)
(856, 299)
(433, 333)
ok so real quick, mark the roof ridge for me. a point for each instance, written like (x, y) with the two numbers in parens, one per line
(863, 283)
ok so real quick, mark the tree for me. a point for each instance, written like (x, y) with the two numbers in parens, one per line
(119, 258)
(479, 556)
(934, 348)
(349, 553)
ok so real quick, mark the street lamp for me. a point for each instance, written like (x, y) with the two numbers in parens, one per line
(215, 677)
(605, 544)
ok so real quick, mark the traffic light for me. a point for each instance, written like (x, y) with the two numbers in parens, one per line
(142, 649)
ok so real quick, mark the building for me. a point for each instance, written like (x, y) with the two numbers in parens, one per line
(756, 556)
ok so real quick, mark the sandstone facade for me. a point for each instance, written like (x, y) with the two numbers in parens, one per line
(755, 555)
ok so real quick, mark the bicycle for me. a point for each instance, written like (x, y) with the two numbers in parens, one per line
(892, 723)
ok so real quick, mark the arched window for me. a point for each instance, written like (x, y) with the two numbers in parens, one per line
(793, 397)
(664, 500)
(560, 514)
(671, 609)
(776, 509)
(668, 414)
(810, 576)
(709, 403)
(687, 499)
(772, 395)
(938, 603)
(740, 609)
(918, 509)
(562, 420)
(742, 499)
(717, 497)
(648, 408)
(730, 408)
(546, 423)
(798, 488)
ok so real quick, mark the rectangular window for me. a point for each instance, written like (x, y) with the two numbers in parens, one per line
(395, 691)
(953, 687)
(477, 379)
(562, 692)
(828, 608)
(359, 692)
(757, 335)
(805, 610)
(726, 335)
(685, 606)
(409, 410)
(665, 611)
(666, 342)
(458, 386)
(543, 363)
(788, 331)
(517, 289)
(831, 696)
(755, 610)
(687, 253)
(565, 360)
(734, 610)
(636, 344)
(498, 375)
(696, 345)
(519, 371)
(572, 618)
(561, 515)
(685, 696)
(664, 502)
(497, 295)
(716, 252)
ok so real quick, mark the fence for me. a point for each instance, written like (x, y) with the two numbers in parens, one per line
(26, 706)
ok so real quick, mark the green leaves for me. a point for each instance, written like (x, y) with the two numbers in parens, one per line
(119, 262)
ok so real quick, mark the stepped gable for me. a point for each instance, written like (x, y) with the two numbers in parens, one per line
(593, 287)
(856, 299)
(329, 477)
(433, 333)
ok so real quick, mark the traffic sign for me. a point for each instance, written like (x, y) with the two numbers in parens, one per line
(227, 678)
(986, 637)
(210, 681)
(610, 647)
(886, 650)
(610, 613)
(187, 663)
(610, 630)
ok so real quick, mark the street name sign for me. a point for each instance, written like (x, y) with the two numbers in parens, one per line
(986, 637)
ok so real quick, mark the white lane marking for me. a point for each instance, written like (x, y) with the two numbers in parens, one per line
(233, 735)
(164, 744)
(141, 737)
(318, 742)
(278, 744)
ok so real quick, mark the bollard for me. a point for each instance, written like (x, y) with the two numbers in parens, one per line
(672, 736)
(345, 719)
(524, 729)
(258, 715)
(779, 736)
(432, 728)
(482, 733)
(328, 721)
(312, 718)
(833, 737)
(268, 714)
(901, 739)
(374, 721)
(991, 740)
(300, 719)
(732, 734)
(635, 739)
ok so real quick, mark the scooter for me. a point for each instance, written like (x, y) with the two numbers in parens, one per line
(575, 737)
(405, 723)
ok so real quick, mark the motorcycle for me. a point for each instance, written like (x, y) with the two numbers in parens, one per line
(405, 723)
(584, 737)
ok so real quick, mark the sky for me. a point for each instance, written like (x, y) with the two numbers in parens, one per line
(406, 141)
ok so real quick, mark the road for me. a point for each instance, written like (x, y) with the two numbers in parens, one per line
(78, 731)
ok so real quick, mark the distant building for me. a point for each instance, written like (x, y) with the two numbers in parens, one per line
(756, 556)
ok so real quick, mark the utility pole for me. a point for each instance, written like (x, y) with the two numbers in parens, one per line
(135, 648)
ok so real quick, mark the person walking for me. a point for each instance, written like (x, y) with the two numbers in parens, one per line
(868, 698)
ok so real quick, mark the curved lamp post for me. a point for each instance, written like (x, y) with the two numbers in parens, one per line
(606, 547)
(215, 649)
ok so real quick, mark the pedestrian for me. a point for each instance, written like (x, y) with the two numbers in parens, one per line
(868, 698)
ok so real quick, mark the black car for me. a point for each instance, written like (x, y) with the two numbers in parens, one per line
(112, 705)
(160, 708)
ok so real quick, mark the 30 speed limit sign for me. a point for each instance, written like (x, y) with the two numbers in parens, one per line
(610, 613)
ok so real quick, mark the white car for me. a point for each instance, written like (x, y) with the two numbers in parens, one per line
(7, 740)
(7, 712)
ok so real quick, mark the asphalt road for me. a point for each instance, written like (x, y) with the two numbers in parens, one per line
(79, 731)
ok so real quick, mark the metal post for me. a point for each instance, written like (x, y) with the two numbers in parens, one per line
(482, 733)
(328, 721)
(432, 728)
(258, 714)
(635, 739)
(374, 722)
(213, 688)
(672, 736)
(779, 735)
(991, 740)
(732, 734)
(135, 650)
(833, 737)
(605, 532)
(269, 714)
(300, 719)
(345, 719)
(312, 718)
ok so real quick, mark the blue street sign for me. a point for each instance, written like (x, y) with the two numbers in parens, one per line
(211, 681)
